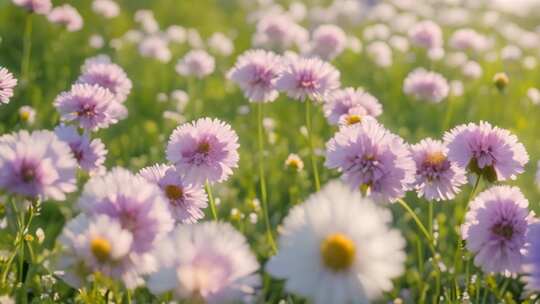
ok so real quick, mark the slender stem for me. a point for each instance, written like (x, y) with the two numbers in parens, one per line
(264, 196)
(430, 219)
(27, 49)
(311, 150)
(128, 296)
(211, 199)
(417, 220)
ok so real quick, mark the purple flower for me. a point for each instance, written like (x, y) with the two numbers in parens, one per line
(495, 228)
(372, 158)
(345, 101)
(487, 150)
(424, 85)
(92, 106)
(36, 165)
(68, 16)
(308, 78)
(468, 39)
(138, 204)
(328, 41)
(106, 8)
(204, 150)
(41, 7)
(186, 201)
(89, 153)
(109, 76)
(7, 83)
(426, 34)
(155, 47)
(436, 177)
(531, 260)
(279, 32)
(256, 72)
(197, 63)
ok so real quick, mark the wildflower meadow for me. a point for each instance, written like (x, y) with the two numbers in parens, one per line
(269, 151)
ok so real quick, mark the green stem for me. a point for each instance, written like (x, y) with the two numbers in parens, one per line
(430, 219)
(264, 196)
(212, 201)
(417, 220)
(27, 49)
(311, 149)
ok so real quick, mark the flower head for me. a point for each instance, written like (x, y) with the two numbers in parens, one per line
(41, 7)
(468, 40)
(89, 153)
(531, 260)
(68, 16)
(372, 158)
(210, 262)
(495, 228)
(345, 101)
(92, 106)
(186, 201)
(204, 150)
(328, 41)
(426, 34)
(337, 248)
(197, 63)
(256, 72)
(36, 165)
(424, 85)
(109, 76)
(436, 177)
(27, 115)
(155, 47)
(491, 151)
(106, 8)
(137, 204)
(308, 78)
(7, 83)
(279, 32)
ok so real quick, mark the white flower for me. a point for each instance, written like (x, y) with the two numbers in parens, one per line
(337, 248)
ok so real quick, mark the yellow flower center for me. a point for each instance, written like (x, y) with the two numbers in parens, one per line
(25, 115)
(173, 192)
(435, 158)
(338, 252)
(203, 147)
(353, 119)
(101, 248)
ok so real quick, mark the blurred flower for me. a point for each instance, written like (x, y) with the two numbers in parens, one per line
(221, 44)
(155, 47)
(341, 102)
(537, 177)
(96, 41)
(483, 149)
(328, 41)
(426, 34)
(534, 95)
(294, 162)
(176, 34)
(91, 106)
(308, 78)
(98, 244)
(279, 32)
(41, 7)
(468, 40)
(425, 85)
(495, 228)
(98, 59)
(109, 76)
(375, 32)
(456, 88)
(531, 260)
(66, 15)
(147, 21)
(181, 98)
(186, 201)
(36, 165)
(370, 157)
(137, 204)
(380, 53)
(209, 262)
(27, 115)
(436, 177)
(530, 62)
(511, 53)
(204, 150)
(106, 8)
(7, 83)
(472, 70)
(399, 43)
(501, 80)
(194, 39)
(197, 63)
(337, 239)
(89, 153)
(256, 72)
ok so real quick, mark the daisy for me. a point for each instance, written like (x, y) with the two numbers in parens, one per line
(89, 153)
(186, 201)
(91, 106)
(209, 262)
(136, 203)
(495, 228)
(36, 165)
(370, 157)
(197, 63)
(490, 151)
(425, 85)
(436, 177)
(337, 247)
(204, 150)
(7, 83)
(341, 102)
(27, 115)
(308, 78)
(256, 72)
